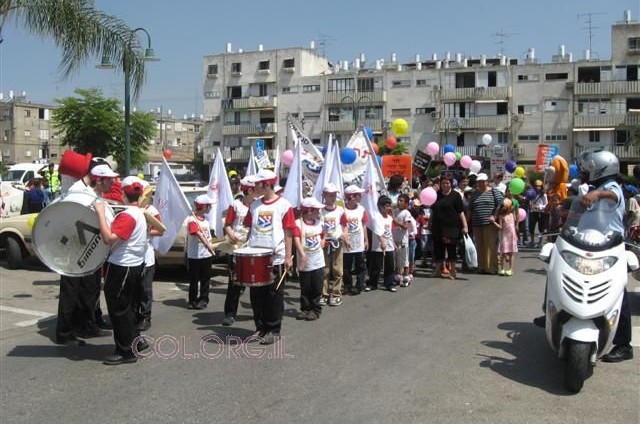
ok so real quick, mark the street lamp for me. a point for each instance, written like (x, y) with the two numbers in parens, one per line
(355, 107)
(149, 56)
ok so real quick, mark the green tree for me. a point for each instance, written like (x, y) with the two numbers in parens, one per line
(93, 123)
(81, 31)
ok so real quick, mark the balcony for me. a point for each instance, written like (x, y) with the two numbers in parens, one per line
(241, 154)
(475, 93)
(265, 102)
(498, 122)
(625, 153)
(607, 120)
(349, 125)
(366, 98)
(250, 129)
(607, 88)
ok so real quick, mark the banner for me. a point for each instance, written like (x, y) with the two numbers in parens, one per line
(421, 162)
(331, 171)
(172, 205)
(370, 183)
(397, 164)
(310, 157)
(293, 191)
(219, 191)
(546, 152)
(354, 173)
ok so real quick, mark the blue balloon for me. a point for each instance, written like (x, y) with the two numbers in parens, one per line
(379, 160)
(348, 156)
(449, 148)
(510, 165)
(573, 171)
(531, 194)
(369, 132)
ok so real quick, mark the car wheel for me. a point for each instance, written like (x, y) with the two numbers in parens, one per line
(14, 253)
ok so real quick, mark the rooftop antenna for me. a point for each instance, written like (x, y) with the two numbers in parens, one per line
(589, 21)
(501, 35)
(323, 41)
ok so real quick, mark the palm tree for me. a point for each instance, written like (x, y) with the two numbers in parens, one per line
(81, 31)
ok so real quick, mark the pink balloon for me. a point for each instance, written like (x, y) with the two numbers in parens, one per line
(428, 196)
(287, 157)
(433, 148)
(465, 161)
(449, 158)
(522, 215)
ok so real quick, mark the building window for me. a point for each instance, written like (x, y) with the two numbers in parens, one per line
(27, 133)
(503, 138)
(527, 138)
(634, 43)
(234, 92)
(401, 112)
(236, 67)
(425, 110)
(556, 105)
(290, 89)
(27, 113)
(460, 140)
(400, 83)
(556, 76)
(263, 65)
(44, 134)
(311, 115)
(340, 85)
(556, 137)
(365, 85)
(529, 78)
(289, 63)
(212, 70)
(594, 136)
(262, 90)
(211, 94)
(310, 88)
(622, 137)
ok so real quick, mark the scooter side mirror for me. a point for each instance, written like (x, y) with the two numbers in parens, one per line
(632, 261)
(545, 252)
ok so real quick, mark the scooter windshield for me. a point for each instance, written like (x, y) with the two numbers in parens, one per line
(589, 229)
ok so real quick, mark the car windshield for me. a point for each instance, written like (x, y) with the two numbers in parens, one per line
(589, 229)
(12, 176)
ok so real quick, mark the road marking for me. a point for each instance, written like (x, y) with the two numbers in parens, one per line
(43, 316)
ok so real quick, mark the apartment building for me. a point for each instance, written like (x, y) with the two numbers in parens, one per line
(572, 103)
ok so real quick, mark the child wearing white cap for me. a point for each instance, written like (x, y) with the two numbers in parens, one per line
(332, 216)
(309, 239)
(356, 242)
(200, 253)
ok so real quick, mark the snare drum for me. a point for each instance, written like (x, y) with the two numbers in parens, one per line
(66, 235)
(253, 266)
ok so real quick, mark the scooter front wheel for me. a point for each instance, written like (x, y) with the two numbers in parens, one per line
(578, 365)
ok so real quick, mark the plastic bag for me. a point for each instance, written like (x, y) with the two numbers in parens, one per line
(470, 253)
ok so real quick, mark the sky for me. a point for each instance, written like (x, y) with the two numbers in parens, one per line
(183, 32)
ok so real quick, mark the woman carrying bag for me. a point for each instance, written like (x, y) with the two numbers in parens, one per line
(448, 226)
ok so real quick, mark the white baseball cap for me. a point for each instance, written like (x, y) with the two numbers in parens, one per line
(353, 189)
(330, 188)
(103, 171)
(203, 199)
(132, 185)
(265, 175)
(248, 181)
(311, 203)
(482, 177)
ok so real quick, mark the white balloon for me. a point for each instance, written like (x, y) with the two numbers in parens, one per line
(476, 166)
(486, 139)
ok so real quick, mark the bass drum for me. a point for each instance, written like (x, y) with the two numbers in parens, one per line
(66, 235)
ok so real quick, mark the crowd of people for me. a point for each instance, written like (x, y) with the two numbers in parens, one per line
(333, 247)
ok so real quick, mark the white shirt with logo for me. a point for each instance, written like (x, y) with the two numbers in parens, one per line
(331, 218)
(131, 252)
(355, 219)
(311, 240)
(195, 249)
(401, 235)
(267, 228)
(382, 227)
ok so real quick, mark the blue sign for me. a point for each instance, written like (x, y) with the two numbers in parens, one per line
(259, 147)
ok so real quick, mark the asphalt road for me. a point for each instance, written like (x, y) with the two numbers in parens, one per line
(439, 351)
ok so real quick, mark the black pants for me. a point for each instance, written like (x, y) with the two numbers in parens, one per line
(120, 284)
(355, 261)
(439, 248)
(623, 332)
(144, 295)
(376, 261)
(77, 304)
(234, 291)
(268, 304)
(311, 290)
(199, 271)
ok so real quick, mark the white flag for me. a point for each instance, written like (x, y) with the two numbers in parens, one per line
(251, 166)
(173, 207)
(220, 192)
(293, 189)
(370, 185)
(310, 157)
(354, 173)
(331, 171)
(276, 167)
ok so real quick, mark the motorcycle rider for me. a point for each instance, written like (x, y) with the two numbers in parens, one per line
(602, 168)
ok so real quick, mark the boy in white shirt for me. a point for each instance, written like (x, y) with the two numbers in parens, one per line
(382, 249)
(401, 227)
(332, 216)
(356, 242)
(200, 253)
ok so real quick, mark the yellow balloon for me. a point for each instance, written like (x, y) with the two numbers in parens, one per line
(141, 176)
(31, 221)
(519, 172)
(399, 127)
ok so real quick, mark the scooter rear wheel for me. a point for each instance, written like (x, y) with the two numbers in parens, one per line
(578, 365)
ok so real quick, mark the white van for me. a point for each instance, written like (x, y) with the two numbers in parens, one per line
(20, 173)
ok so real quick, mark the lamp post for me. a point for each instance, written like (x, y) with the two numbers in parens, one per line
(355, 107)
(149, 56)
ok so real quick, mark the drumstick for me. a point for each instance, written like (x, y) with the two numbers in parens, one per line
(284, 274)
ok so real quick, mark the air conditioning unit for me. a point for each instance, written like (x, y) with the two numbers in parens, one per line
(515, 118)
(434, 114)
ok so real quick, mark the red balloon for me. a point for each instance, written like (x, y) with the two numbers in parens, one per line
(375, 147)
(391, 142)
(167, 154)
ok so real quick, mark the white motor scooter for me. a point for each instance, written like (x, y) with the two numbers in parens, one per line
(586, 277)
